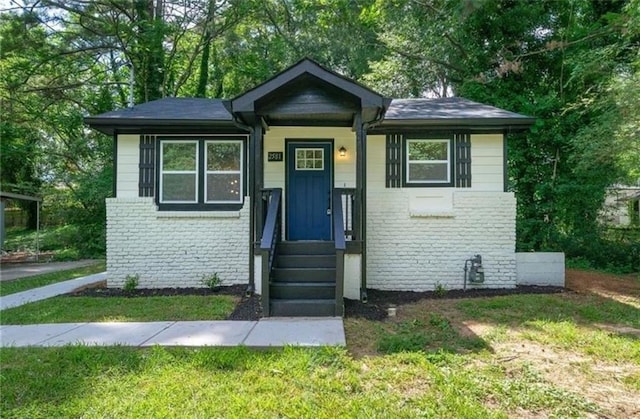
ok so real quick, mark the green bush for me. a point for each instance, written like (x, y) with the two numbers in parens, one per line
(617, 256)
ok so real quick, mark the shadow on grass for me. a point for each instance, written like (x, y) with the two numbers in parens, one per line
(445, 325)
(36, 377)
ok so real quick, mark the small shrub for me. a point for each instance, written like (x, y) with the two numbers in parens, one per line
(212, 281)
(131, 282)
(439, 291)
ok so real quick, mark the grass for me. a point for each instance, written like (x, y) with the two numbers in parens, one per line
(561, 355)
(65, 309)
(294, 382)
(23, 284)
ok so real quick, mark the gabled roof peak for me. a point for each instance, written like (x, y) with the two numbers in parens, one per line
(369, 98)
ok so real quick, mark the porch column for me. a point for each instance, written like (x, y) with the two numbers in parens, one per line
(361, 193)
(255, 186)
(258, 183)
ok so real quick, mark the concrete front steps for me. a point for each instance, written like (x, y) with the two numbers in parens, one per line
(303, 281)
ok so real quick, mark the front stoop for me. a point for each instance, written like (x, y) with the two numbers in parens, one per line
(303, 281)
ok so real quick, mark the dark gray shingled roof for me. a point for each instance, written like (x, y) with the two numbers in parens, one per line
(446, 111)
(169, 111)
(195, 112)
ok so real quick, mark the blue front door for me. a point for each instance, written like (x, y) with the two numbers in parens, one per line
(309, 190)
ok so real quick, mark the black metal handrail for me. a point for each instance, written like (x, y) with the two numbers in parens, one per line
(272, 222)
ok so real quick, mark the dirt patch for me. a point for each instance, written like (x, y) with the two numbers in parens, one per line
(577, 374)
(622, 288)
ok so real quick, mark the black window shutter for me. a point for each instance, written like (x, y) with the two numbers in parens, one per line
(463, 160)
(393, 164)
(146, 181)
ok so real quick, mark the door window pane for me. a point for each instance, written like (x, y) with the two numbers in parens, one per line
(310, 159)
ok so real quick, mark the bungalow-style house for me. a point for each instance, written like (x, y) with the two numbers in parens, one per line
(309, 188)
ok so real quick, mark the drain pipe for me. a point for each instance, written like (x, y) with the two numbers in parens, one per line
(238, 123)
(363, 270)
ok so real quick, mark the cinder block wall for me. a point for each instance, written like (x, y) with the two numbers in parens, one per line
(175, 249)
(540, 268)
(416, 253)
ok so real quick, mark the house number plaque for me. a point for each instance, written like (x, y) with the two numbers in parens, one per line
(275, 156)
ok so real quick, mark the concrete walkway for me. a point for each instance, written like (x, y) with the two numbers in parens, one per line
(12, 271)
(270, 332)
(48, 291)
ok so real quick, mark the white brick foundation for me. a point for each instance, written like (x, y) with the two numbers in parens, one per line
(175, 249)
(412, 247)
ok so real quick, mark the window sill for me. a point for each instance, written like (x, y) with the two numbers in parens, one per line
(198, 214)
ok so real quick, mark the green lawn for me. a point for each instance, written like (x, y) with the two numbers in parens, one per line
(65, 309)
(23, 284)
(311, 383)
(562, 355)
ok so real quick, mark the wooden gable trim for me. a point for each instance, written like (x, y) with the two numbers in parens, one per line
(246, 101)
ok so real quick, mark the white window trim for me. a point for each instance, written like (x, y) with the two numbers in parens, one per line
(178, 172)
(448, 161)
(213, 172)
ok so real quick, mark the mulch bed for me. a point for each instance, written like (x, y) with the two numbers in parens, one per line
(250, 307)
(379, 301)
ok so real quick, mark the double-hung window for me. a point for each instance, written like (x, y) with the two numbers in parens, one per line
(428, 162)
(200, 173)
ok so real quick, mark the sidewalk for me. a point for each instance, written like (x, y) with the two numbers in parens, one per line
(268, 332)
(48, 291)
(11, 271)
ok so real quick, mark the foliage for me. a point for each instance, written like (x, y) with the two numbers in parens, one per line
(211, 281)
(68, 242)
(574, 65)
(440, 290)
(131, 283)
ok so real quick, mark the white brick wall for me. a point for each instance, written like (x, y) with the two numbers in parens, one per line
(170, 249)
(417, 253)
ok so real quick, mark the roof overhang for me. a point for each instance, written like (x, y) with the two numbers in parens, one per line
(506, 125)
(21, 197)
(112, 125)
